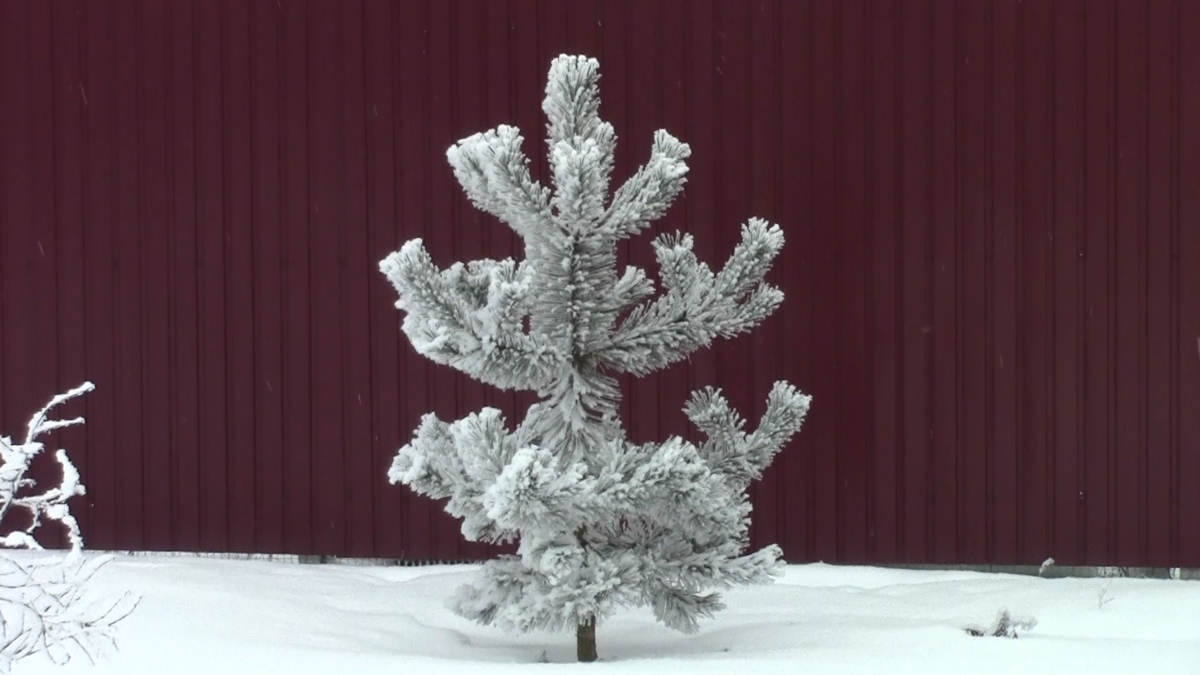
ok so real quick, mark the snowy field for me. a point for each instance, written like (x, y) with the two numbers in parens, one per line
(224, 616)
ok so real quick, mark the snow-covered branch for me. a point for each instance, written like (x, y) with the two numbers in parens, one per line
(647, 195)
(470, 317)
(46, 608)
(52, 503)
(741, 456)
(494, 172)
(572, 103)
(697, 306)
(580, 143)
(459, 461)
(43, 605)
(676, 573)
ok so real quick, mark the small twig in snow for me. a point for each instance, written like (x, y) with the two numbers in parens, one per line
(1004, 625)
(1102, 597)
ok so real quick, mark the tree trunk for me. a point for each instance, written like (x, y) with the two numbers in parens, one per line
(585, 641)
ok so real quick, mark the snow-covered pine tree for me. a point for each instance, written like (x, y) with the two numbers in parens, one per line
(602, 522)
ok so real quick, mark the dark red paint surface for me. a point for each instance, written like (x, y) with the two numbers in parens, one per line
(992, 269)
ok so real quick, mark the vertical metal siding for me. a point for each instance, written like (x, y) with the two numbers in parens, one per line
(993, 267)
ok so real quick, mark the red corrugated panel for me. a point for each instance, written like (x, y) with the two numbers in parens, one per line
(991, 265)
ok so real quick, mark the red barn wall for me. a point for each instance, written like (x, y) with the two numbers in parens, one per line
(992, 269)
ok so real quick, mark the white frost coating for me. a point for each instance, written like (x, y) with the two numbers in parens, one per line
(17, 457)
(602, 522)
(42, 604)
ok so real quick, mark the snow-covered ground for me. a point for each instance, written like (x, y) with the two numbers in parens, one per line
(224, 616)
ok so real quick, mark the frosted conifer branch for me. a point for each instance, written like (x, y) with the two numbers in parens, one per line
(698, 305)
(741, 456)
(572, 103)
(494, 173)
(470, 317)
(459, 461)
(681, 609)
(429, 464)
(581, 144)
(534, 493)
(633, 287)
(648, 194)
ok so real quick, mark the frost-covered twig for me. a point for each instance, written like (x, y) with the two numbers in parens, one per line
(16, 461)
(43, 606)
(1102, 597)
(1005, 625)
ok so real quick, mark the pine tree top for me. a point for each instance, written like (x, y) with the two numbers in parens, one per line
(586, 322)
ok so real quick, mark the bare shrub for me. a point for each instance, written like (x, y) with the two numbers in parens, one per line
(44, 606)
